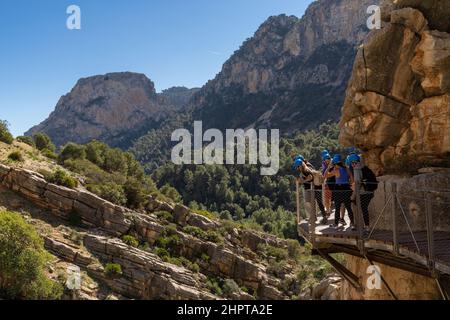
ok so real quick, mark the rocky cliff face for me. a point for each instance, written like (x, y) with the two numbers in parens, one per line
(114, 108)
(291, 74)
(397, 106)
(178, 97)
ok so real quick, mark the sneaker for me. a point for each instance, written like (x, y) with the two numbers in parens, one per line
(334, 226)
(342, 221)
(324, 221)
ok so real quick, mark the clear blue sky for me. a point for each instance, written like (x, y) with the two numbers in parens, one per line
(174, 42)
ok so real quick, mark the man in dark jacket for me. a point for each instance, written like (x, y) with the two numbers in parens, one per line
(368, 183)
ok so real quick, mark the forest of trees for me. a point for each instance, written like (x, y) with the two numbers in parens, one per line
(239, 192)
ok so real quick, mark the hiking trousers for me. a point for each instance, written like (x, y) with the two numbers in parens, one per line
(366, 198)
(343, 195)
(319, 200)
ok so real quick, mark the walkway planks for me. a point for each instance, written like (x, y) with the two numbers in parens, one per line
(383, 240)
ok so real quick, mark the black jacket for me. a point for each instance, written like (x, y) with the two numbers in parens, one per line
(369, 179)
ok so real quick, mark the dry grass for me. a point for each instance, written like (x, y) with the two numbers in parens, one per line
(34, 160)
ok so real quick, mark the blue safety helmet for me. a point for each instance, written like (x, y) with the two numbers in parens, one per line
(299, 157)
(337, 158)
(297, 164)
(326, 155)
(354, 158)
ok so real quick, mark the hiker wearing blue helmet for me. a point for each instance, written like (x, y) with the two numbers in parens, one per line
(308, 177)
(342, 191)
(328, 183)
(367, 183)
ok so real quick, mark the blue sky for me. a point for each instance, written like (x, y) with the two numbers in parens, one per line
(174, 42)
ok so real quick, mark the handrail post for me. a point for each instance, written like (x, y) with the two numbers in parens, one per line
(297, 190)
(312, 214)
(430, 233)
(359, 217)
(395, 232)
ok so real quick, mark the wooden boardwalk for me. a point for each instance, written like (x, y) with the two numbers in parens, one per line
(382, 243)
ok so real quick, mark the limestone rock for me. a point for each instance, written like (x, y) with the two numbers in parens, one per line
(435, 11)
(146, 276)
(410, 18)
(432, 62)
(397, 101)
(114, 108)
(327, 289)
(201, 222)
(181, 214)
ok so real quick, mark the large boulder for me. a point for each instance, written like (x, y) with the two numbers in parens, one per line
(397, 103)
(435, 11)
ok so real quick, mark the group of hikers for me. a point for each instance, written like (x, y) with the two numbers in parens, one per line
(336, 183)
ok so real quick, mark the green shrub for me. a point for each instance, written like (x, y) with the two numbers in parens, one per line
(16, 156)
(214, 236)
(27, 140)
(75, 219)
(62, 178)
(130, 240)
(164, 215)
(109, 191)
(294, 249)
(194, 267)
(226, 215)
(72, 151)
(171, 243)
(5, 135)
(205, 257)
(230, 287)
(113, 270)
(49, 154)
(22, 261)
(195, 231)
(171, 193)
(95, 153)
(276, 268)
(272, 252)
(162, 253)
(135, 194)
(206, 214)
(110, 173)
(42, 142)
(214, 286)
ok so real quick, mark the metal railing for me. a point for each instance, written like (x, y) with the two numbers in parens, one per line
(404, 215)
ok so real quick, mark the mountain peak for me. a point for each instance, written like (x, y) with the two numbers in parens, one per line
(104, 107)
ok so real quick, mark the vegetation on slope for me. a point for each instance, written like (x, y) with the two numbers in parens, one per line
(239, 192)
(22, 261)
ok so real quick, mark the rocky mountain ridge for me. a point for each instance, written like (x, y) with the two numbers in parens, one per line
(291, 75)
